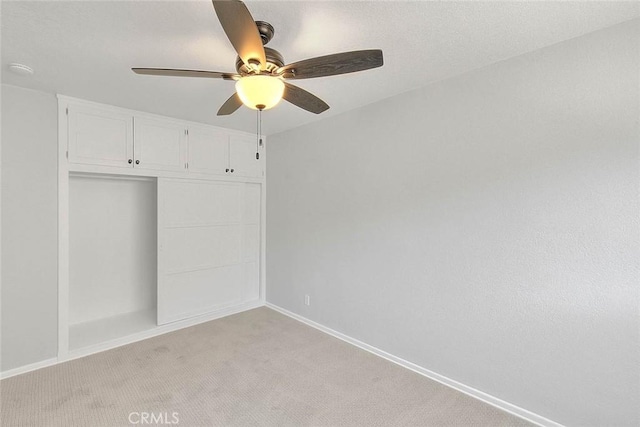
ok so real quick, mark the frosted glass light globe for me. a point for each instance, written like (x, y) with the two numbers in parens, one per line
(260, 92)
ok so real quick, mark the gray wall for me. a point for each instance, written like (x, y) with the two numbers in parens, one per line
(29, 227)
(484, 227)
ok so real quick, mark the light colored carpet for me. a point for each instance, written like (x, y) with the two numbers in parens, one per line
(257, 368)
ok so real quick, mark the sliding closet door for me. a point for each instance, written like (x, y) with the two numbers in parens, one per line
(251, 241)
(200, 239)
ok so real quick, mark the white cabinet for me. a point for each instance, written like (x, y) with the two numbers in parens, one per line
(242, 156)
(111, 137)
(219, 153)
(159, 144)
(208, 150)
(114, 138)
(99, 136)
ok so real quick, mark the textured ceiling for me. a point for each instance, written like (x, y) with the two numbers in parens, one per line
(86, 49)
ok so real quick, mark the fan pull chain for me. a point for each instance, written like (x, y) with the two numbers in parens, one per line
(258, 133)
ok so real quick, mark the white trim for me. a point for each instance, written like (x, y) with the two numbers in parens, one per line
(263, 225)
(63, 230)
(0, 224)
(28, 368)
(160, 330)
(470, 391)
(153, 173)
(111, 177)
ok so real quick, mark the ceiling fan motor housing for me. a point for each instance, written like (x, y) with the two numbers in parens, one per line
(275, 60)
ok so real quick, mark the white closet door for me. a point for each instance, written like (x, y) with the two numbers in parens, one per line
(200, 238)
(251, 238)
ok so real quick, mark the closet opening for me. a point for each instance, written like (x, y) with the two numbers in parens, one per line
(112, 257)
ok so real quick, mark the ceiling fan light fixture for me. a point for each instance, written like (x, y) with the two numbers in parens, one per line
(260, 92)
(261, 74)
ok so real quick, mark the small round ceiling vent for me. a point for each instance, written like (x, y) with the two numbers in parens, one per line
(21, 69)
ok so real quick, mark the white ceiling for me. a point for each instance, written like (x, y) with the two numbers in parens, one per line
(86, 48)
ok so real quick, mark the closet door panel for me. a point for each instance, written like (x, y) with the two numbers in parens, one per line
(251, 243)
(199, 292)
(251, 281)
(252, 204)
(201, 247)
(201, 203)
(200, 239)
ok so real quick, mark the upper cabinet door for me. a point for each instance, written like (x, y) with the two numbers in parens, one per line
(159, 144)
(208, 151)
(100, 136)
(242, 155)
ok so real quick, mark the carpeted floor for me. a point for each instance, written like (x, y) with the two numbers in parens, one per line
(254, 368)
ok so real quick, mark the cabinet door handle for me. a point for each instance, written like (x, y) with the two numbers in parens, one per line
(231, 170)
(137, 162)
(130, 161)
(226, 170)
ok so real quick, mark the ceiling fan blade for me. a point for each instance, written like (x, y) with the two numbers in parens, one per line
(241, 30)
(230, 105)
(331, 65)
(303, 99)
(184, 73)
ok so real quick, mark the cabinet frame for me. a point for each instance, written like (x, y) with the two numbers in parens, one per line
(65, 167)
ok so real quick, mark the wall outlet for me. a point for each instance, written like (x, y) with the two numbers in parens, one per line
(307, 300)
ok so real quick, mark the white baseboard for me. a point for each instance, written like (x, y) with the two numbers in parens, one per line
(76, 354)
(28, 368)
(484, 397)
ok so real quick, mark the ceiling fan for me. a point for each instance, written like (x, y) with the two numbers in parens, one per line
(261, 74)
